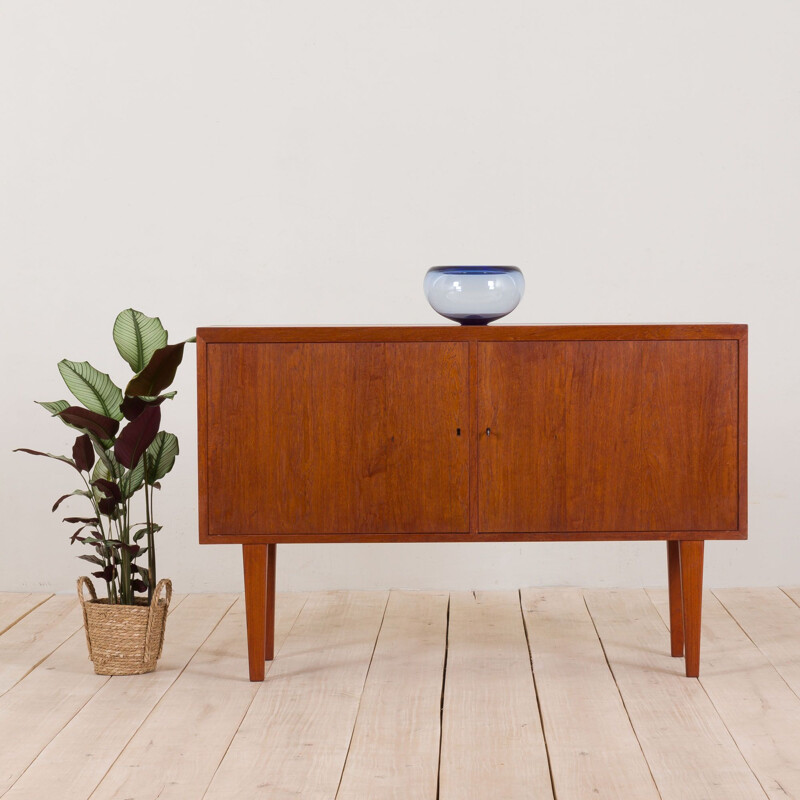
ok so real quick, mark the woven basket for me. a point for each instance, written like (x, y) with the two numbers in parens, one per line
(122, 639)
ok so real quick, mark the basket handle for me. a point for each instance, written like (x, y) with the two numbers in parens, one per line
(82, 582)
(166, 584)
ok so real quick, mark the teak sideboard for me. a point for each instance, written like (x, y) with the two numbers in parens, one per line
(469, 434)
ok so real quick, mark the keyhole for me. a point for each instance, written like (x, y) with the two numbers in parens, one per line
(458, 431)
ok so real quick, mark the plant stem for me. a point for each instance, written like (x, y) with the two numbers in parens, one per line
(151, 550)
(109, 584)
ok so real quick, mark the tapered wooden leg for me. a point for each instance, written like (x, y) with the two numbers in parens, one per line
(675, 599)
(692, 584)
(254, 557)
(269, 647)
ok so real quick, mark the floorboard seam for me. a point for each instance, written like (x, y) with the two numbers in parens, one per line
(789, 596)
(713, 705)
(158, 702)
(619, 691)
(756, 645)
(61, 729)
(43, 659)
(252, 699)
(536, 695)
(361, 696)
(33, 760)
(441, 698)
(20, 618)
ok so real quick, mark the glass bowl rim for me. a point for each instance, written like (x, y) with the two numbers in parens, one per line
(474, 270)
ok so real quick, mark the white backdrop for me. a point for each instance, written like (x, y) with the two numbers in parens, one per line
(245, 162)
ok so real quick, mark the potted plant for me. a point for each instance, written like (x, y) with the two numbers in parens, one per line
(121, 455)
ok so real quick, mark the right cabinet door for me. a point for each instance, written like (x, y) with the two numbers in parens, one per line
(608, 436)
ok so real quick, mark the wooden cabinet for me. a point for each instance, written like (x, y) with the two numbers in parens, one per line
(337, 438)
(472, 434)
(608, 436)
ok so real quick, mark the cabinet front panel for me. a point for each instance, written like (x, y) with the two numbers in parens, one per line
(690, 424)
(522, 459)
(608, 436)
(337, 438)
(604, 436)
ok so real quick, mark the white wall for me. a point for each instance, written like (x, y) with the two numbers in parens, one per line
(246, 162)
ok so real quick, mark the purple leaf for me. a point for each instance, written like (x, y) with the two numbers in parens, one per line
(65, 496)
(108, 574)
(102, 427)
(47, 455)
(107, 506)
(133, 406)
(136, 437)
(61, 500)
(83, 453)
(159, 372)
(109, 489)
(87, 520)
(138, 585)
(75, 537)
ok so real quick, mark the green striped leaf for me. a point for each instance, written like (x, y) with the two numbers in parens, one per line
(137, 337)
(130, 481)
(94, 389)
(56, 407)
(161, 456)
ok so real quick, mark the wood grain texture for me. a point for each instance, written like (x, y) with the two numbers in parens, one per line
(337, 438)
(690, 751)
(33, 638)
(742, 419)
(16, 605)
(294, 739)
(254, 559)
(395, 746)
(469, 333)
(675, 598)
(760, 710)
(772, 621)
(355, 436)
(114, 713)
(175, 753)
(604, 436)
(269, 622)
(474, 434)
(592, 747)
(540, 536)
(492, 741)
(39, 706)
(692, 601)
(689, 435)
(522, 460)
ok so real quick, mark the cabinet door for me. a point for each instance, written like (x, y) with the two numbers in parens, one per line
(521, 436)
(608, 436)
(337, 438)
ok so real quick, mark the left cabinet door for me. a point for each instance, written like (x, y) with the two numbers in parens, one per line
(337, 438)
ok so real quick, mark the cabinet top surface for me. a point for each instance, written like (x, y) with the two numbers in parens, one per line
(487, 333)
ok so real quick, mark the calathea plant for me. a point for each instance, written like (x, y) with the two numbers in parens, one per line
(120, 452)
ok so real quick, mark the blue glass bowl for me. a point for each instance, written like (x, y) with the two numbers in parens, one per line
(474, 295)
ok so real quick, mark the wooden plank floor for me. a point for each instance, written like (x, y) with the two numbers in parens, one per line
(541, 693)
